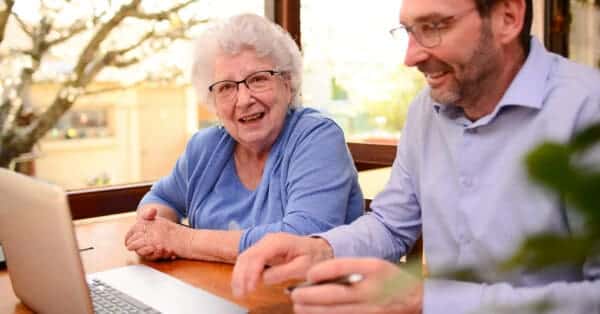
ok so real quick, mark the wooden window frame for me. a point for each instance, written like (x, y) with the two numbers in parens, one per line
(88, 203)
(557, 17)
(122, 198)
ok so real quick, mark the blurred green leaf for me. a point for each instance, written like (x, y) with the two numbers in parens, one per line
(548, 164)
(586, 138)
(549, 249)
(558, 167)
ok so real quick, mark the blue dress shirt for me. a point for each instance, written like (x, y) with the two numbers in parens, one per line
(464, 184)
(309, 182)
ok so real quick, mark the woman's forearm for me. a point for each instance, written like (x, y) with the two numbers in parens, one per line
(212, 245)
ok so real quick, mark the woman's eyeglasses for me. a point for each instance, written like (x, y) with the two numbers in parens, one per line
(226, 91)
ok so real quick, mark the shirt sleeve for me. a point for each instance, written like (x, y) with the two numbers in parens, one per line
(322, 189)
(392, 227)
(394, 224)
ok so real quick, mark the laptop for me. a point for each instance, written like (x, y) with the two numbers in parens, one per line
(42, 258)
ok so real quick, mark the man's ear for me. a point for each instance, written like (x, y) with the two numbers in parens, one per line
(508, 18)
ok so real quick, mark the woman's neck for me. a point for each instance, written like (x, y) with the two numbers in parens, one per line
(250, 165)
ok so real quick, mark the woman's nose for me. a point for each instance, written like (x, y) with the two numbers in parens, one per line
(243, 95)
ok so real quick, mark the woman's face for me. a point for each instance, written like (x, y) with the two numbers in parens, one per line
(254, 119)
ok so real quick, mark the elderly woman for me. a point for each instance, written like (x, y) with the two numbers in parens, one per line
(271, 166)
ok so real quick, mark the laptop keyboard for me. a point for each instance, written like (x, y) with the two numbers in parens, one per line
(109, 300)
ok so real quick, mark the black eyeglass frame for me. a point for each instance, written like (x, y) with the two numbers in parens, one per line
(245, 80)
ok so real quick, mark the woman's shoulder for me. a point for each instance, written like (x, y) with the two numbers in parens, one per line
(308, 125)
(308, 118)
(206, 138)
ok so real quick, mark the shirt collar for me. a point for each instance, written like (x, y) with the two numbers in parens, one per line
(527, 88)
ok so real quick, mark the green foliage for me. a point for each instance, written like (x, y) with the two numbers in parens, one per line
(566, 170)
(338, 92)
(408, 83)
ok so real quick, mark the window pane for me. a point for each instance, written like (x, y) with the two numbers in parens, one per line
(138, 126)
(584, 36)
(353, 68)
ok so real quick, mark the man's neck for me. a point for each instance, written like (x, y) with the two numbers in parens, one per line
(495, 86)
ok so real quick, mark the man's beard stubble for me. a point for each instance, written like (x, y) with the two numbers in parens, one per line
(475, 76)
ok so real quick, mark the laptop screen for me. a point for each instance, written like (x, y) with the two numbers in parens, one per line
(45, 268)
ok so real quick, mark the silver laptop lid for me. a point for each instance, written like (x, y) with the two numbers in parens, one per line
(45, 268)
(40, 247)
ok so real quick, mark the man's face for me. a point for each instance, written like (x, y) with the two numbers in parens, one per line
(460, 67)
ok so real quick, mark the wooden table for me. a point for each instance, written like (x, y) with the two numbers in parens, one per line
(106, 235)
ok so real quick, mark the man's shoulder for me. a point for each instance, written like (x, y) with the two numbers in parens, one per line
(570, 75)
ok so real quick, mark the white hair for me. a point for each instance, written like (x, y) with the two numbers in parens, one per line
(240, 32)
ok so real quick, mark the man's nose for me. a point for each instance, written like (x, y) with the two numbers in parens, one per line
(415, 52)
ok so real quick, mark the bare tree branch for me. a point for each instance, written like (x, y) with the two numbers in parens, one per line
(130, 10)
(22, 24)
(123, 63)
(21, 136)
(4, 14)
(26, 79)
(62, 102)
(111, 89)
(4, 111)
(146, 36)
(162, 15)
(92, 47)
(180, 33)
(111, 58)
(70, 34)
(39, 43)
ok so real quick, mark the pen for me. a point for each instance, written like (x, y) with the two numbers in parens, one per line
(346, 280)
(86, 249)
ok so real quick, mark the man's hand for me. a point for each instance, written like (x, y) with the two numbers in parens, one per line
(288, 255)
(374, 294)
(153, 237)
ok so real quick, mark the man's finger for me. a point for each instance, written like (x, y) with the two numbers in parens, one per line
(246, 272)
(334, 268)
(330, 294)
(296, 269)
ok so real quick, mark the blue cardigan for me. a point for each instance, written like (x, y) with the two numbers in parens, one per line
(309, 182)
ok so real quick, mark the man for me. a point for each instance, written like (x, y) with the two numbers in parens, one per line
(494, 93)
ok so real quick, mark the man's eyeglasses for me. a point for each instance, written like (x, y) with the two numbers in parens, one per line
(226, 91)
(427, 34)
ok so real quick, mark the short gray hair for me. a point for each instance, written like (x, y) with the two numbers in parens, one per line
(241, 32)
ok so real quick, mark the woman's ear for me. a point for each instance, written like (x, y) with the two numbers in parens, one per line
(508, 18)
